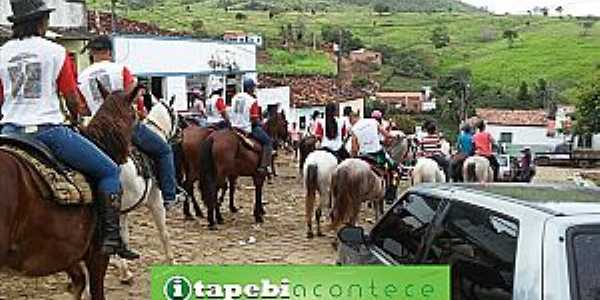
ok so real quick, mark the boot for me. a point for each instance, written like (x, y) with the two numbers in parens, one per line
(265, 160)
(112, 243)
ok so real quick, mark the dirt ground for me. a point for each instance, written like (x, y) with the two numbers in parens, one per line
(280, 240)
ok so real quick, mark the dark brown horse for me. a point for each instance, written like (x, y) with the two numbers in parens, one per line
(276, 126)
(307, 145)
(39, 237)
(224, 156)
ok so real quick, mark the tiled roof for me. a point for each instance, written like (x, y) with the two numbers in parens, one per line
(100, 22)
(313, 90)
(513, 117)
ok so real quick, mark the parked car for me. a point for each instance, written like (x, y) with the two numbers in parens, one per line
(503, 241)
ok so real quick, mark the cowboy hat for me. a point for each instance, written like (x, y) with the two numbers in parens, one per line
(25, 10)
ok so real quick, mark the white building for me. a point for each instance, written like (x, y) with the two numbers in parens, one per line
(70, 14)
(243, 38)
(278, 97)
(171, 64)
(515, 129)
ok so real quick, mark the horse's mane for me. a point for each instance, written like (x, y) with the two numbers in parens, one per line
(111, 128)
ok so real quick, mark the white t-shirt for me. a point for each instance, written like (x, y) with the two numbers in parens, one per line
(366, 132)
(240, 111)
(332, 144)
(110, 74)
(29, 69)
(213, 115)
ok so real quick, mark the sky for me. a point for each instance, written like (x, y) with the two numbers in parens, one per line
(573, 7)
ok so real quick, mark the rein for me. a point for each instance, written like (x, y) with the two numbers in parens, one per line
(141, 200)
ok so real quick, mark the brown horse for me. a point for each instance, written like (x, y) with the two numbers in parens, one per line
(223, 155)
(276, 127)
(39, 237)
(307, 145)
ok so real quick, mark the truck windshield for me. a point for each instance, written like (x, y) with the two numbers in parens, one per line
(584, 270)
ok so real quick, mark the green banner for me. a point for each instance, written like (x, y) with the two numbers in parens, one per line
(301, 282)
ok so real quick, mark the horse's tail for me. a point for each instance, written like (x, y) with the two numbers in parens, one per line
(207, 169)
(471, 175)
(311, 184)
(178, 158)
(341, 200)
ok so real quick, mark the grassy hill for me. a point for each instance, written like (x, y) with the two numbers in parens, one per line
(549, 48)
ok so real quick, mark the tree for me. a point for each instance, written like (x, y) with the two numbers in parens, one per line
(331, 34)
(510, 35)
(454, 96)
(197, 25)
(523, 94)
(544, 11)
(588, 107)
(404, 122)
(560, 10)
(440, 37)
(381, 7)
(240, 16)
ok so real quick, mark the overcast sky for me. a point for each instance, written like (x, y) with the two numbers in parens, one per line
(574, 7)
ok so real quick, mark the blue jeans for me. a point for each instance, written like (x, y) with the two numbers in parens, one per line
(152, 144)
(78, 153)
(259, 133)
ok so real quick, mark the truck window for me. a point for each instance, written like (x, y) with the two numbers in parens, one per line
(584, 271)
(400, 232)
(481, 247)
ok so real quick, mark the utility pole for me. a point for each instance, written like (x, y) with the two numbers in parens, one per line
(113, 18)
(339, 55)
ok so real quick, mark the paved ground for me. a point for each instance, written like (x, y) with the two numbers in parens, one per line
(280, 240)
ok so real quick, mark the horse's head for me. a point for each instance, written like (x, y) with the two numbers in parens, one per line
(164, 119)
(111, 128)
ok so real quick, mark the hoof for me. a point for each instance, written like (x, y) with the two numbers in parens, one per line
(320, 234)
(189, 218)
(310, 235)
(127, 281)
(212, 227)
(259, 219)
(220, 222)
(233, 209)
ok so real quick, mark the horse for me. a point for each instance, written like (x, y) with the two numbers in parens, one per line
(39, 237)
(307, 145)
(427, 171)
(225, 155)
(276, 126)
(140, 191)
(478, 169)
(317, 172)
(353, 182)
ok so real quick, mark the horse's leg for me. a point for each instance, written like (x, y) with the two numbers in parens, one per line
(211, 204)
(308, 212)
(186, 204)
(232, 182)
(78, 276)
(218, 215)
(189, 189)
(97, 263)
(125, 275)
(160, 219)
(259, 211)
(318, 214)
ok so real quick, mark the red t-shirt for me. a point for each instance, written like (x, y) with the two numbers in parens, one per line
(221, 106)
(255, 110)
(128, 79)
(320, 131)
(483, 143)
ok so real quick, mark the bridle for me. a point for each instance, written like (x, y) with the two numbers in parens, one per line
(172, 134)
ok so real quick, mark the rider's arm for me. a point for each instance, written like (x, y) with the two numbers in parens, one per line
(354, 146)
(384, 132)
(67, 86)
(222, 108)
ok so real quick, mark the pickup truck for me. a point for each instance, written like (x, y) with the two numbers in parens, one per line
(502, 241)
(583, 152)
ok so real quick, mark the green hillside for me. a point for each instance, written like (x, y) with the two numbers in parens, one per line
(549, 48)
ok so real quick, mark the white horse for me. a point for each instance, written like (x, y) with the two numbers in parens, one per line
(427, 171)
(478, 169)
(318, 169)
(138, 191)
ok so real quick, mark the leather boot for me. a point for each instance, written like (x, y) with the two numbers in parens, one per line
(112, 243)
(265, 160)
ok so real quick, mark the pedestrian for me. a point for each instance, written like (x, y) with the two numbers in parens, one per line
(295, 137)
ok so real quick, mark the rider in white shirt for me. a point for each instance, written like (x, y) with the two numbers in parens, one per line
(245, 116)
(216, 109)
(331, 132)
(366, 141)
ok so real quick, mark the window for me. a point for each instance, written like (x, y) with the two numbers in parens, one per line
(302, 122)
(584, 271)
(400, 232)
(506, 137)
(585, 141)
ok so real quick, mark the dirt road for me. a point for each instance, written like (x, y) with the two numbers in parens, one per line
(280, 240)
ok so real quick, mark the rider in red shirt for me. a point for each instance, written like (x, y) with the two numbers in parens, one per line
(483, 141)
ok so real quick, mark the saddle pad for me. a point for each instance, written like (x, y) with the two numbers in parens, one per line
(143, 163)
(70, 188)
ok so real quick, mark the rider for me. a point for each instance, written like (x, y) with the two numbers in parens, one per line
(331, 132)
(465, 150)
(310, 128)
(366, 142)
(483, 141)
(431, 146)
(117, 77)
(33, 108)
(246, 117)
(216, 109)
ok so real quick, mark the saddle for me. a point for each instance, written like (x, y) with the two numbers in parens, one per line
(54, 180)
(247, 141)
(144, 164)
(378, 167)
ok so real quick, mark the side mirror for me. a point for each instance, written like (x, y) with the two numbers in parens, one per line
(352, 236)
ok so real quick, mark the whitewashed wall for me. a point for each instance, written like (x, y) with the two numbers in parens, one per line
(176, 86)
(525, 135)
(357, 105)
(275, 96)
(177, 56)
(66, 14)
(297, 113)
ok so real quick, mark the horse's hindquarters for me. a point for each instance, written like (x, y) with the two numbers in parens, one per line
(37, 236)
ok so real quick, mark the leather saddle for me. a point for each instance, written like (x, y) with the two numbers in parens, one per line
(54, 180)
(144, 164)
(376, 166)
(247, 141)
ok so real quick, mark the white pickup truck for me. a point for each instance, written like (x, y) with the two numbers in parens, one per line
(506, 241)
